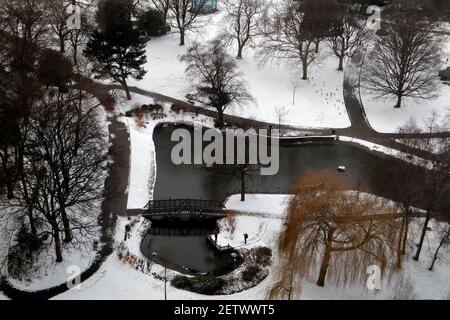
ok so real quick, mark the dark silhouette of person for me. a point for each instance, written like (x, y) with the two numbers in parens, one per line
(245, 237)
(127, 231)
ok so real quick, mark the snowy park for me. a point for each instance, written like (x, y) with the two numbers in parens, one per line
(224, 150)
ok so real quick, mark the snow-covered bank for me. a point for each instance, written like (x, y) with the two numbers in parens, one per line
(373, 146)
(272, 205)
(49, 274)
(388, 151)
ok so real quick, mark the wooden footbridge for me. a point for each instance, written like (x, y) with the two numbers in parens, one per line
(184, 209)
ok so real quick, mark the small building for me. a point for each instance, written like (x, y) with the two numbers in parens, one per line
(207, 6)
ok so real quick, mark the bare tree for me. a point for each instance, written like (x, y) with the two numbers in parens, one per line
(405, 59)
(281, 113)
(216, 76)
(435, 185)
(163, 7)
(331, 228)
(445, 240)
(65, 164)
(185, 14)
(242, 22)
(406, 188)
(287, 36)
(293, 85)
(77, 38)
(318, 15)
(58, 10)
(346, 33)
(24, 33)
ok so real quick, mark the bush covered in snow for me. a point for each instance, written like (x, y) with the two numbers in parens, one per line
(23, 254)
(250, 273)
(263, 255)
(152, 23)
(144, 109)
(445, 74)
(203, 284)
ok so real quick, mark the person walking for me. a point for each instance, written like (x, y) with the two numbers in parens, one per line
(245, 237)
(127, 231)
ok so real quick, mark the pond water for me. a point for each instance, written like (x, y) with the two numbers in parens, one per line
(185, 251)
(200, 182)
(191, 250)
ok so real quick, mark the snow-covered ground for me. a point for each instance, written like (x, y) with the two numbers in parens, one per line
(319, 100)
(383, 117)
(45, 272)
(48, 273)
(263, 229)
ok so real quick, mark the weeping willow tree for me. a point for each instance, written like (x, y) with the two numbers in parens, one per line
(333, 234)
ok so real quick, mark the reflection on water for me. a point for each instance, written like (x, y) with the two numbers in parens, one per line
(199, 182)
(184, 249)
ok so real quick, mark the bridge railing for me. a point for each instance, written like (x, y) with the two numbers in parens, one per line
(190, 205)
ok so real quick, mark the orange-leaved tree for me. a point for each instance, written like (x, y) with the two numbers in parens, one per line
(334, 232)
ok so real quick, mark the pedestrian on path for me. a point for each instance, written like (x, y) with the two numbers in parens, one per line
(127, 231)
(245, 237)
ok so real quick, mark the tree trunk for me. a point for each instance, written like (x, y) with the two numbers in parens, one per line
(220, 123)
(305, 70)
(182, 36)
(9, 182)
(26, 196)
(126, 88)
(324, 267)
(242, 185)
(399, 101)
(316, 50)
(8, 175)
(62, 45)
(58, 248)
(422, 236)
(341, 63)
(32, 222)
(240, 49)
(405, 235)
(441, 243)
(75, 55)
(9, 188)
(67, 232)
(436, 254)
(399, 245)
